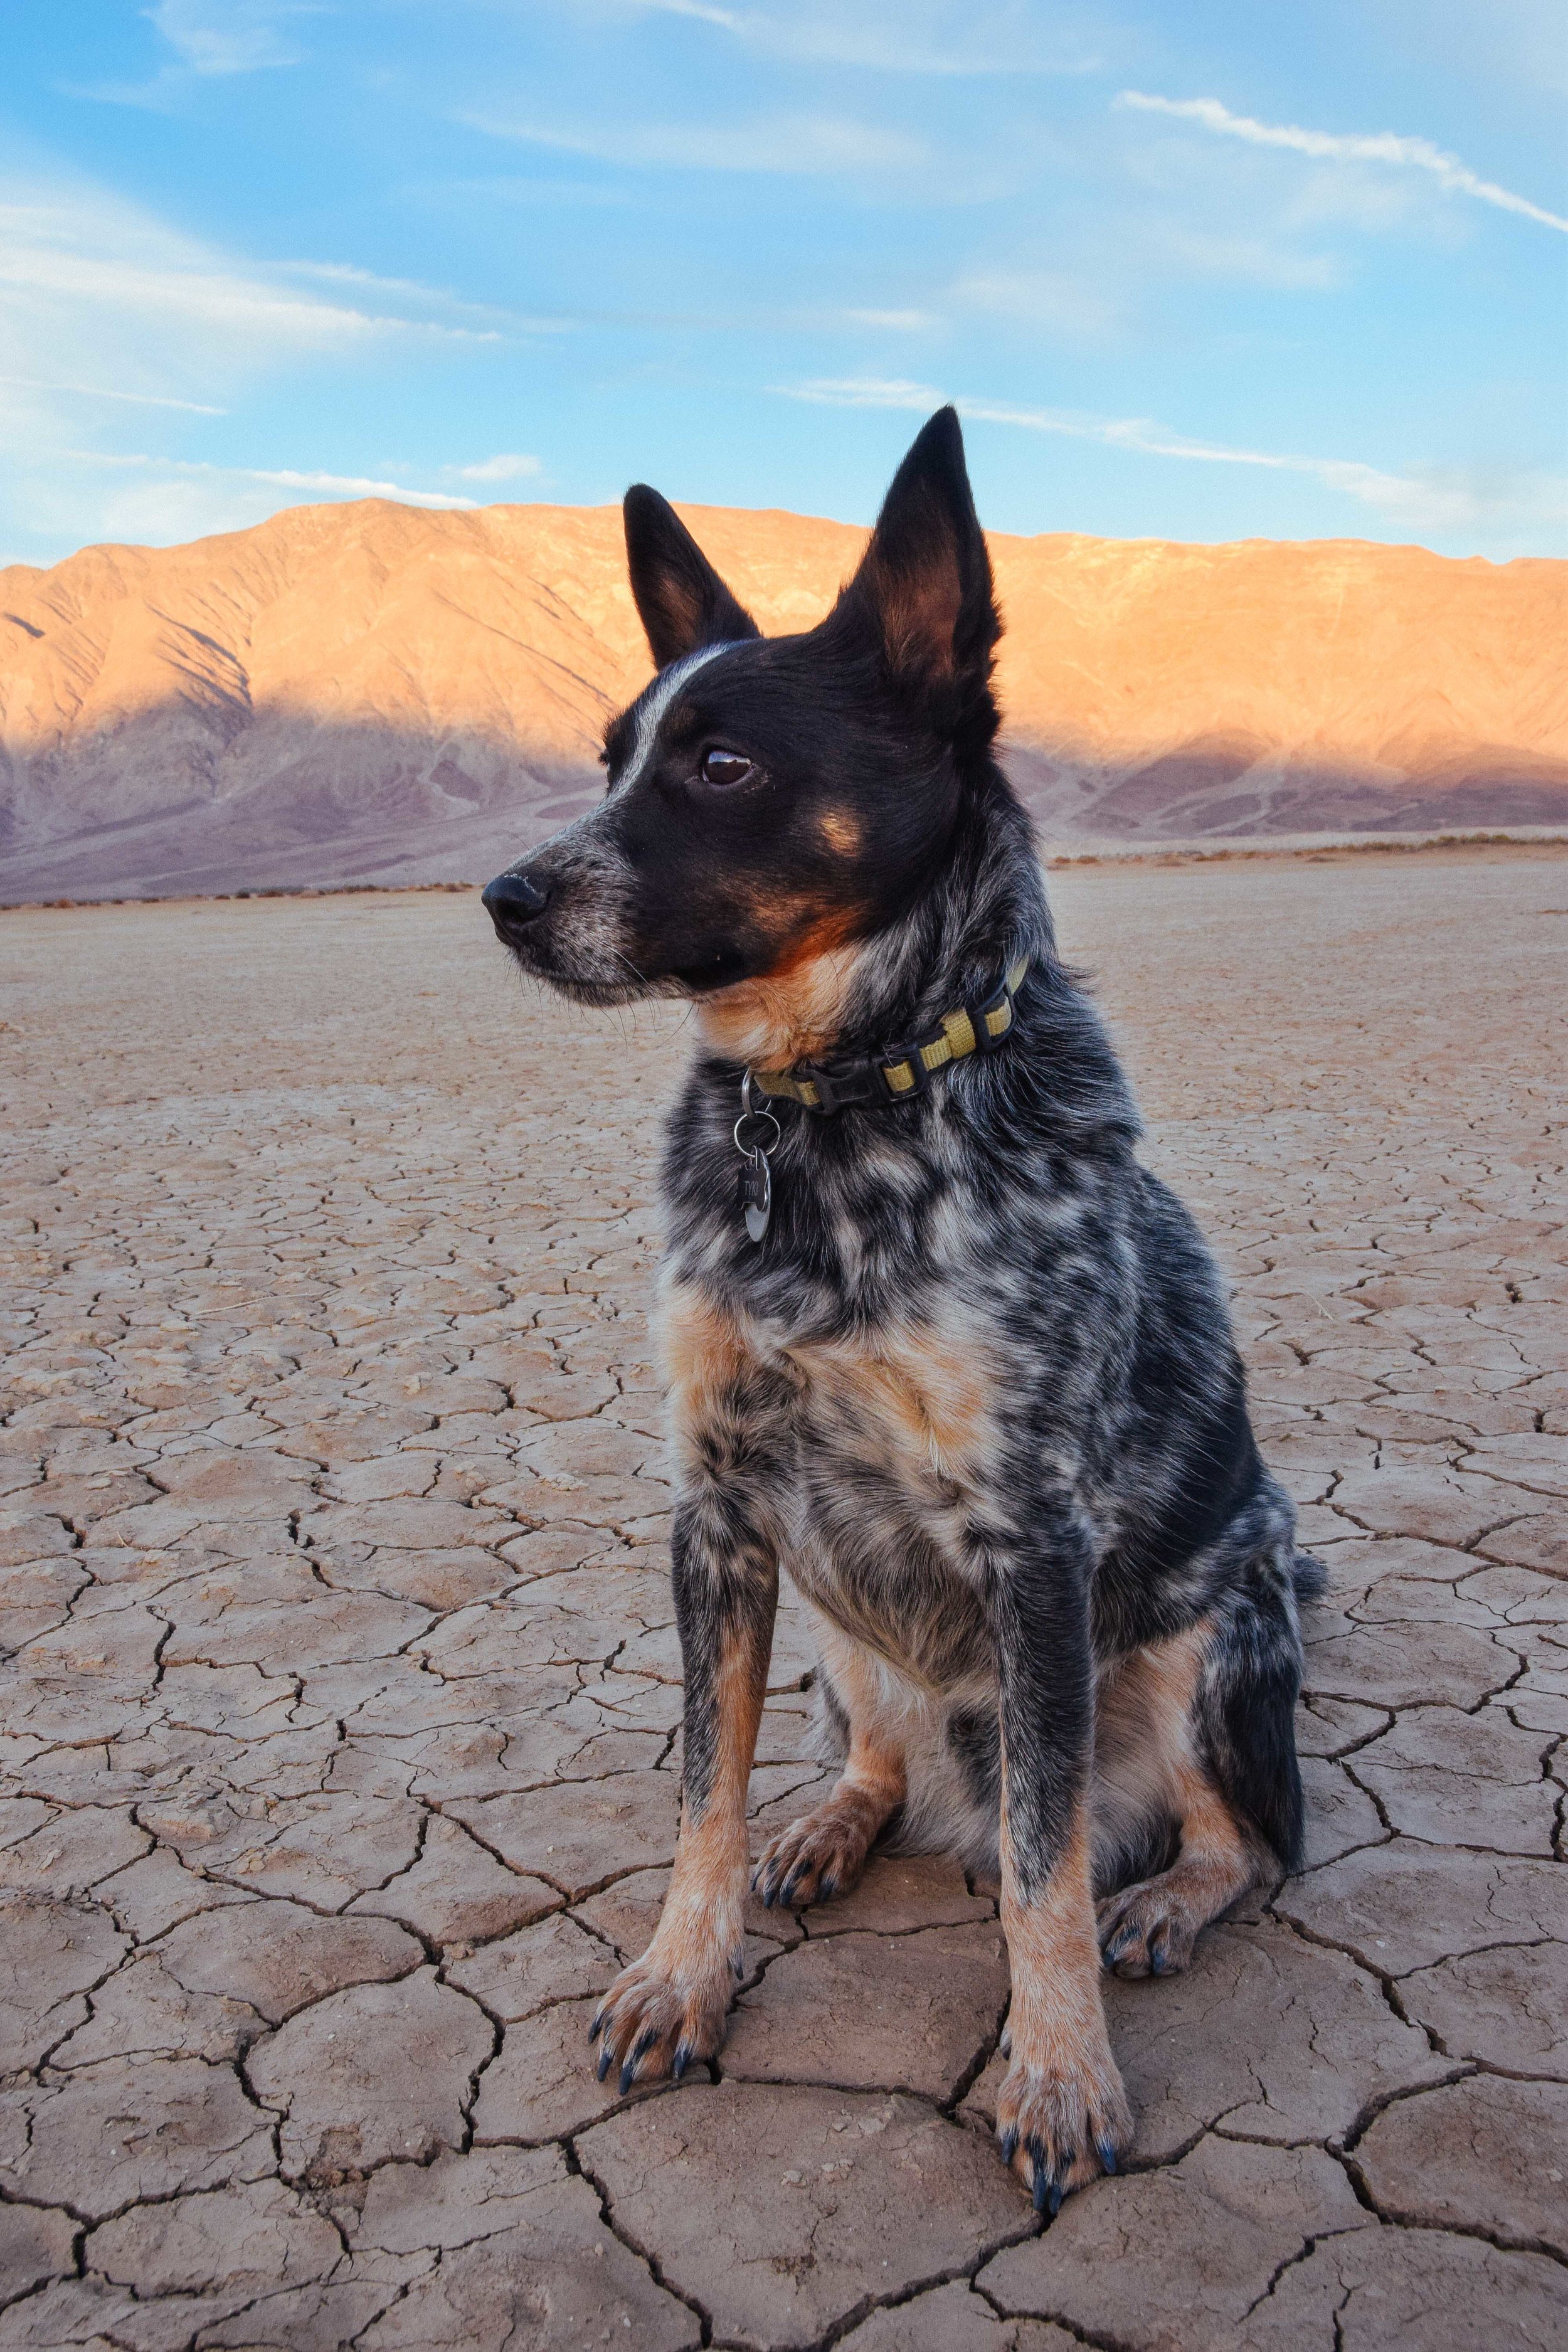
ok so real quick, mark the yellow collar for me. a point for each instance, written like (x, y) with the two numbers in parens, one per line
(899, 1073)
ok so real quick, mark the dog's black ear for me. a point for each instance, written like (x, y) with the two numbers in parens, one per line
(924, 587)
(683, 602)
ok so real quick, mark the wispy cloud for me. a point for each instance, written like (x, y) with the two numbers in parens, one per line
(731, 19)
(102, 392)
(228, 37)
(895, 322)
(286, 477)
(212, 39)
(944, 39)
(1424, 500)
(74, 255)
(489, 319)
(106, 309)
(1061, 302)
(1240, 260)
(504, 468)
(1335, 147)
(791, 144)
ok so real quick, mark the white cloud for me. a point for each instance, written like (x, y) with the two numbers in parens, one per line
(74, 255)
(105, 307)
(791, 144)
(1247, 260)
(102, 392)
(285, 478)
(77, 499)
(513, 468)
(226, 37)
(729, 18)
(1062, 302)
(226, 305)
(1327, 146)
(897, 322)
(921, 36)
(212, 39)
(1427, 498)
(411, 290)
(101, 300)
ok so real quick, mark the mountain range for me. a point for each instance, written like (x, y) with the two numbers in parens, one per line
(378, 693)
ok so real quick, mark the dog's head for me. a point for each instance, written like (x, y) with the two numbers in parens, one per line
(773, 801)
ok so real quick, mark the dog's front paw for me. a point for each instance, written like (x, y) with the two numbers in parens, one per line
(1060, 2125)
(655, 2022)
(821, 1855)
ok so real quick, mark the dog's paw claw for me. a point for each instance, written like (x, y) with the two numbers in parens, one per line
(1058, 2129)
(1146, 1930)
(652, 2023)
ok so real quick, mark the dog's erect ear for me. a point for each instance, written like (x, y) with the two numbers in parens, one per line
(924, 585)
(683, 602)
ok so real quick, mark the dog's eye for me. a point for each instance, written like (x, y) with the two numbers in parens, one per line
(725, 768)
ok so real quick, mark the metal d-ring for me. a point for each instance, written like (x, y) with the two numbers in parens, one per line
(750, 1110)
(757, 1192)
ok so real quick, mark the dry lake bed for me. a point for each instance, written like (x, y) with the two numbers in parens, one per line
(338, 1729)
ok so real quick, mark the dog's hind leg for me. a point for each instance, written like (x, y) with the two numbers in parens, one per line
(1150, 1928)
(1213, 1711)
(823, 1853)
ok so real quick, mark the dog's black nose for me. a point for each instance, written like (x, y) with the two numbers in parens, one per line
(512, 900)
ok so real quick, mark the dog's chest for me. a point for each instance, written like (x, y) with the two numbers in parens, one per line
(913, 1401)
(900, 1408)
(895, 1446)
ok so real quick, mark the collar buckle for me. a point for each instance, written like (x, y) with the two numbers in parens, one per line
(841, 1090)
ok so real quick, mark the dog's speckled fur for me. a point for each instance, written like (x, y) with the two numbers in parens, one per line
(976, 1390)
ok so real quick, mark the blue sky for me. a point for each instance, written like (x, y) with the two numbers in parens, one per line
(1192, 269)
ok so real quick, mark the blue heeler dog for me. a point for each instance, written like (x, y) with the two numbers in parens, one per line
(934, 1339)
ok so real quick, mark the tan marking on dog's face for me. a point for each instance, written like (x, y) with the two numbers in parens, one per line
(842, 831)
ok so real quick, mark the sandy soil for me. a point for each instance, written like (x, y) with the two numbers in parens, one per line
(338, 1727)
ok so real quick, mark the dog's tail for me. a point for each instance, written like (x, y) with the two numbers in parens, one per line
(1310, 1577)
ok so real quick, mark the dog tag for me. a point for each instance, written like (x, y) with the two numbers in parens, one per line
(757, 1192)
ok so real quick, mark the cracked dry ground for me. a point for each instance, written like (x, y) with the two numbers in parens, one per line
(340, 1734)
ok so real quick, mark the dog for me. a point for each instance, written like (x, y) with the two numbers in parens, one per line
(933, 1339)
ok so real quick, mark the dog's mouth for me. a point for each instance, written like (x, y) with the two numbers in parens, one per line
(573, 934)
(610, 979)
